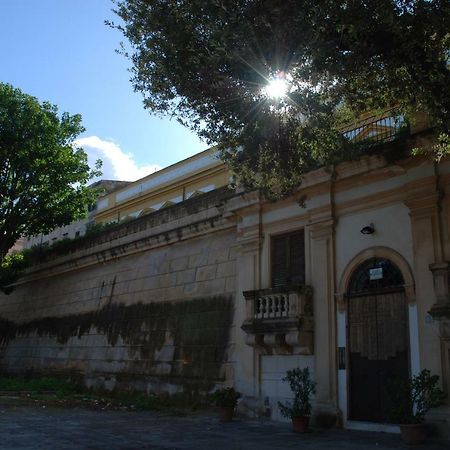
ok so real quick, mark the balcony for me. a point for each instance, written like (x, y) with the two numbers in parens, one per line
(280, 321)
(373, 130)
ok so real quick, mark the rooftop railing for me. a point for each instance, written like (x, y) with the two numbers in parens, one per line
(377, 129)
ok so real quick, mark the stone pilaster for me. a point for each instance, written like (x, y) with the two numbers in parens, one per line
(246, 210)
(429, 269)
(441, 275)
(321, 231)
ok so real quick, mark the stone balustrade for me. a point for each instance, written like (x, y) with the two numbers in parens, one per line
(272, 306)
(280, 320)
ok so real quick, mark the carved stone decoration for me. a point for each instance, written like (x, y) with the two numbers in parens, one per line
(277, 343)
(257, 341)
(280, 321)
(441, 276)
(440, 311)
(302, 342)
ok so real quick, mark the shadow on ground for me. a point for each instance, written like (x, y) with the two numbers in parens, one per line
(25, 426)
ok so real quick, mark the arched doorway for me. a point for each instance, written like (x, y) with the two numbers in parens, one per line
(377, 336)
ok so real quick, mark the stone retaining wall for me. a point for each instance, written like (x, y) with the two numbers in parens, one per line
(151, 308)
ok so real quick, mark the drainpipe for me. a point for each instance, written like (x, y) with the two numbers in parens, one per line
(335, 312)
(440, 256)
(260, 233)
(257, 358)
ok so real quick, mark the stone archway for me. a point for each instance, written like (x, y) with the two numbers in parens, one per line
(377, 338)
(375, 290)
(376, 252)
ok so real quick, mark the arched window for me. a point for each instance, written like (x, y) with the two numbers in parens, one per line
(375, 275)
(145, 211)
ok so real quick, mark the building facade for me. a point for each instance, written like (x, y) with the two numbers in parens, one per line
(210, 286)
(75, 229)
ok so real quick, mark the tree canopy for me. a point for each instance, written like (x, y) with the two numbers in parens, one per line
(43, 178)
(207, 63)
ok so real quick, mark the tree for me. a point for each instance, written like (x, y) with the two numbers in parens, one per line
(207, 64)
(43, 178)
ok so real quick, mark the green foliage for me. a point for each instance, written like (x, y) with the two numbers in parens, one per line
(207, 63)
(43, 177)
(302, 387)
(66, 392)
(225, 397)
(11, 268)
(438, 150)
(14, 265)
(37, 385)
(414, 397)
(95, 228)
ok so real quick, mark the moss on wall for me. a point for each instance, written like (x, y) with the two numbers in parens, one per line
(197, 331)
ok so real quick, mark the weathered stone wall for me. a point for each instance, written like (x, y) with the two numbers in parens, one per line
(150, 308)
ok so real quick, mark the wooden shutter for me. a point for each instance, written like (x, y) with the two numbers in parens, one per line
(288, 259)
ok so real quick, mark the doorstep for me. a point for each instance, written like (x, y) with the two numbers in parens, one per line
(372, 426)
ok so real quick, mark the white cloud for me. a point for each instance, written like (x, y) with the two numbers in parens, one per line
(117, 165)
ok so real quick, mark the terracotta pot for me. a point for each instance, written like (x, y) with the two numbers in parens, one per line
(413, 434)
(226, 413)
(300, 424)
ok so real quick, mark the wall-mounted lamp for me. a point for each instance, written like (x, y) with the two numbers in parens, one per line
(368, 229)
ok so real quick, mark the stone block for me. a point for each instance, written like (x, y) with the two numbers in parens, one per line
(233, 253)
(230, 284)
(226, 269)
(206, 272)
(138, 284)
(175, 293)
(163, 368)
(179, 264)
(200, 259)
(165, 354)
(155, 295)
(190, 289)
(218, 255)
(148, 283)
(185, 276)
(168, 279)
(211, 287)
(159, 266)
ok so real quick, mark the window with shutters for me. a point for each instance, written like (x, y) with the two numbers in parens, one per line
(288, 259)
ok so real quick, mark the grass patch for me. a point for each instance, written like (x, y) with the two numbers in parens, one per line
(37, 385)
(59, 392)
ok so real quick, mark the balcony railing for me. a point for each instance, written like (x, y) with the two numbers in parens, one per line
(377, 129)
(273, 306)
(280, 320)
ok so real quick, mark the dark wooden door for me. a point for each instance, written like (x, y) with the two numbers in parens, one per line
(378, 349)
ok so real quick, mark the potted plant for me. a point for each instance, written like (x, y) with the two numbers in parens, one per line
(225, 399)
(413, 398)
(299, 411)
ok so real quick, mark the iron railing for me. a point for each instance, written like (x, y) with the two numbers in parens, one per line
(377, 129)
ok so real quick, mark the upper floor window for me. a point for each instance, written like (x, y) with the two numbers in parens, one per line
(288, 259)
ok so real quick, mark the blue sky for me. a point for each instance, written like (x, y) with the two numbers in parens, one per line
(61, 51)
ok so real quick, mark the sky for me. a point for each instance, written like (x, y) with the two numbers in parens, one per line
(61, 51)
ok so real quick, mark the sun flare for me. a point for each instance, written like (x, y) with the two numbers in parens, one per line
(277, 88)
